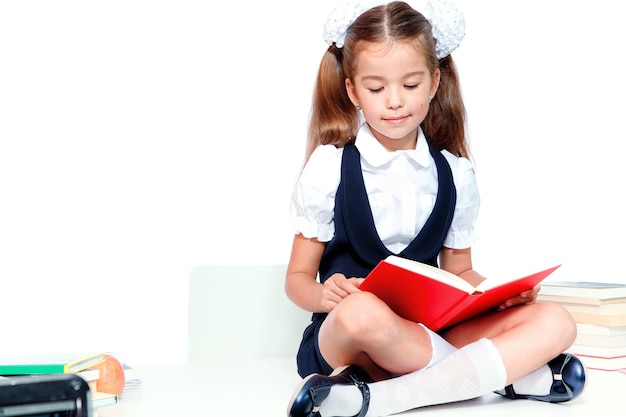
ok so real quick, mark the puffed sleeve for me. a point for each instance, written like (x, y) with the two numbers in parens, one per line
(462, 232)
(314, 194)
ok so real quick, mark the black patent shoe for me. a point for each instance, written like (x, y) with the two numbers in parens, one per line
(314, 389)
(568, 381)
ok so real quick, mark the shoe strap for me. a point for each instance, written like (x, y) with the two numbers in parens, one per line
(509, 392)
(560, 390)
(365, 392)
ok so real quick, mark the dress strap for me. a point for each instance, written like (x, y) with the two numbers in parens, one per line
(357, 212)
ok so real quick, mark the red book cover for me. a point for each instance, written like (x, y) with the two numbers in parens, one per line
(437, 298)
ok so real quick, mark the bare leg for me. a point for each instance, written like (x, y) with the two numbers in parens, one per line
(363, 331)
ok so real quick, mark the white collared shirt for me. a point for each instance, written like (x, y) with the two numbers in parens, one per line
(401, 186)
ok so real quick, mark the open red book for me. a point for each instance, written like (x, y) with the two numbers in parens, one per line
(437, 298)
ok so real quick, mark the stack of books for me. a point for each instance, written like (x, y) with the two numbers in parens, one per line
(132, 383)
(78, 363)
(599, 310)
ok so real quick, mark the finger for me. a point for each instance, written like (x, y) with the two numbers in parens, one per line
(334, 280)
(331, 299)
(358, 281)
(337, 289)
(529, 295)
(512, 302)
(351, 285)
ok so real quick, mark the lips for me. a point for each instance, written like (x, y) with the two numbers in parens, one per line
(395, 120)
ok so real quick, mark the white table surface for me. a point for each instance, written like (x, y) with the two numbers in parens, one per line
(263, 388)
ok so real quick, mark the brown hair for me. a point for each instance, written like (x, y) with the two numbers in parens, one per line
(334, 119)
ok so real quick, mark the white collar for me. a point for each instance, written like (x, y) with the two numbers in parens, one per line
(376, 155)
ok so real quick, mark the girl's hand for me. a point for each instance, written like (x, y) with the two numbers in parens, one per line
(526, 297)
(336, 288)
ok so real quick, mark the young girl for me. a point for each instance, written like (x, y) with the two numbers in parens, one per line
(402, 183)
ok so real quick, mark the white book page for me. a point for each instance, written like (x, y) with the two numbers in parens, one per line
(439, 274)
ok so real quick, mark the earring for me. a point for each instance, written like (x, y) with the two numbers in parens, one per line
(358, 108)
(430, 99)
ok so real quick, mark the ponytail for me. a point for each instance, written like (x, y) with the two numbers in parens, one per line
(334, 119)
(444, 125)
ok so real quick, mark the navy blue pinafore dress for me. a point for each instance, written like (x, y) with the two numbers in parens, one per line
(356, 247)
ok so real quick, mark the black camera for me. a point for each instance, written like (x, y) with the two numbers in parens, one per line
(58, 395)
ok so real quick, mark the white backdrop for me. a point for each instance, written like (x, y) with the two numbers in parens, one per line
(141, 138)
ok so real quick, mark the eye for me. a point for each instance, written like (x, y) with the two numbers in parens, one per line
(375, 90)
(411, 86)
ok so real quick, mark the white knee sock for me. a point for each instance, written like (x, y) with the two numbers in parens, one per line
(440, 347)
(469, 372)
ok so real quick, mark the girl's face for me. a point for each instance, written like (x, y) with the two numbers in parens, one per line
(393, 87)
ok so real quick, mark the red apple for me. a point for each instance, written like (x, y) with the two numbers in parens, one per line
(111, 376)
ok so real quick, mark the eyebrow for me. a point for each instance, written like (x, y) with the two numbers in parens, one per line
(378, 78)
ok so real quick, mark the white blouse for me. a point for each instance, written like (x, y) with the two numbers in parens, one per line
(401, 186)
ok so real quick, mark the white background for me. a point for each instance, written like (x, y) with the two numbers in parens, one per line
(141, 138)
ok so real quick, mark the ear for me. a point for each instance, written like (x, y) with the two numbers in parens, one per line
(351, 89)
(435, 86)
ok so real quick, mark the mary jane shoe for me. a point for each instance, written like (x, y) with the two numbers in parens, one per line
(568, 381)
(314, 389)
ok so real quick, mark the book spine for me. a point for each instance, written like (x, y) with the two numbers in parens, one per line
(32, 369)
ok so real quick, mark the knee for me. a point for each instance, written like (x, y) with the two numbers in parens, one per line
(558, 323)
(359, 314)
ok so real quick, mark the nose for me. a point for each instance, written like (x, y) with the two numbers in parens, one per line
(395, 99)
